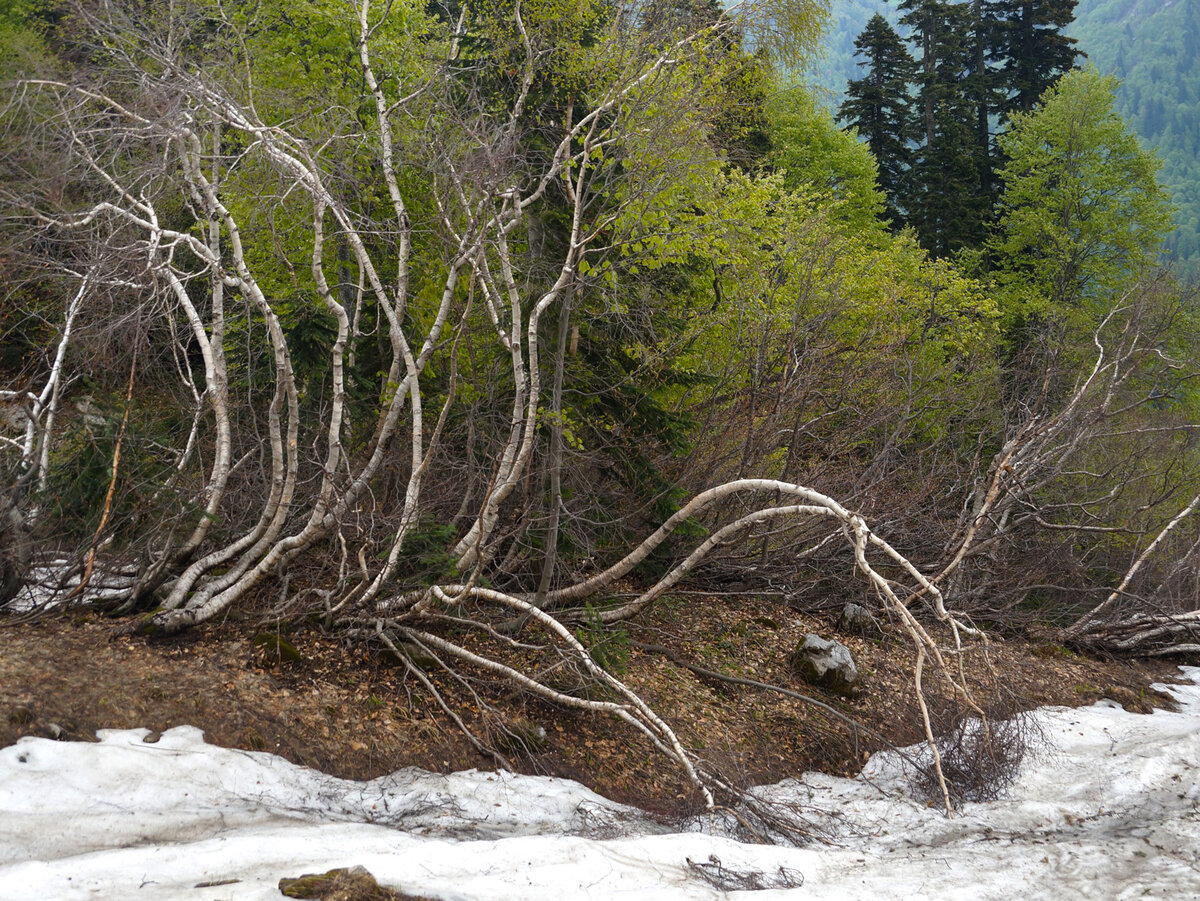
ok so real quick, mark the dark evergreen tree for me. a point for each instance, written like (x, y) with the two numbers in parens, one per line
(943, 196)
(989, 95)
(880, 107)
(1028, 48)
(930, 122)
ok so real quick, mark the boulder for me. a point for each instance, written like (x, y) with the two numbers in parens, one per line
(827, 664)
(858, 619)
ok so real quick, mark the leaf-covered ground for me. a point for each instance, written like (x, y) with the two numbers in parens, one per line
(351, 712)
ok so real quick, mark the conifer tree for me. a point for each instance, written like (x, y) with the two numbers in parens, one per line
(880, 107)
(942, 196)
(986, 90)
(971, 64)
(1028, 47)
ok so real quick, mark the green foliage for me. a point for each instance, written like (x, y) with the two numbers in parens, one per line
(800, 263)
(787, 32)
(304, 55)
(809, 322)
(837, 64)
(1082, 213)
(1147, 44)
(310, 331)
(812, 153)
(607, 645)
(566, 38)
(740, 308)
(739, 124)
(80, 464)
(22, 45)
(79, 474)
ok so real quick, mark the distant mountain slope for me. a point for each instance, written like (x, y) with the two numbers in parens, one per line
(1151, 45)
(847, 19)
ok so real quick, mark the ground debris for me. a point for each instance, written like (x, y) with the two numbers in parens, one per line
(354, 715)
(343, 884)
(729, 879)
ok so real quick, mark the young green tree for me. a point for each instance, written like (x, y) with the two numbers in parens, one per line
(813, 153)
(1082, 212)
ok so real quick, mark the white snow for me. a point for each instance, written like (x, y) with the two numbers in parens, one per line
(57, 582)
(1111, 811)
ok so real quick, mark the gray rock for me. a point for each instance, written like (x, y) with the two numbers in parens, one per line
(858, 619)
(827, 664)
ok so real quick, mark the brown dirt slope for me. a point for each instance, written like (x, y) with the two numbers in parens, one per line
(352, 712)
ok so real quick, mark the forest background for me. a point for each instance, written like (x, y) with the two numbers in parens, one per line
(469, 332)
(1144, 44)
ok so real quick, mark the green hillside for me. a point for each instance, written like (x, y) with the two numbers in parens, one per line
(1151, 46)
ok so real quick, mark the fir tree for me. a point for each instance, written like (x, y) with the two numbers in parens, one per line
(929, 122)
(943, 196)
(989, 95)
(1029, 48)
(880, 107)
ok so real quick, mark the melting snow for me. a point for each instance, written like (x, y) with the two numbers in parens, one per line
(1111, 810)
(57, 582)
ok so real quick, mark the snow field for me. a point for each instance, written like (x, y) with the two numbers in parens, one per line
(1110, 811)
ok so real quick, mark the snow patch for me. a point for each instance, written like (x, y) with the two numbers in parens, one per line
(57, 582)
(1112, 810)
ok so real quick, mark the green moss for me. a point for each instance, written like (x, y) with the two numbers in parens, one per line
(148, 627)
(1051, 651)
(277, 646)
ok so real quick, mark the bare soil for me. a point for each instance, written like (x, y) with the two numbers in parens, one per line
(352, 711)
